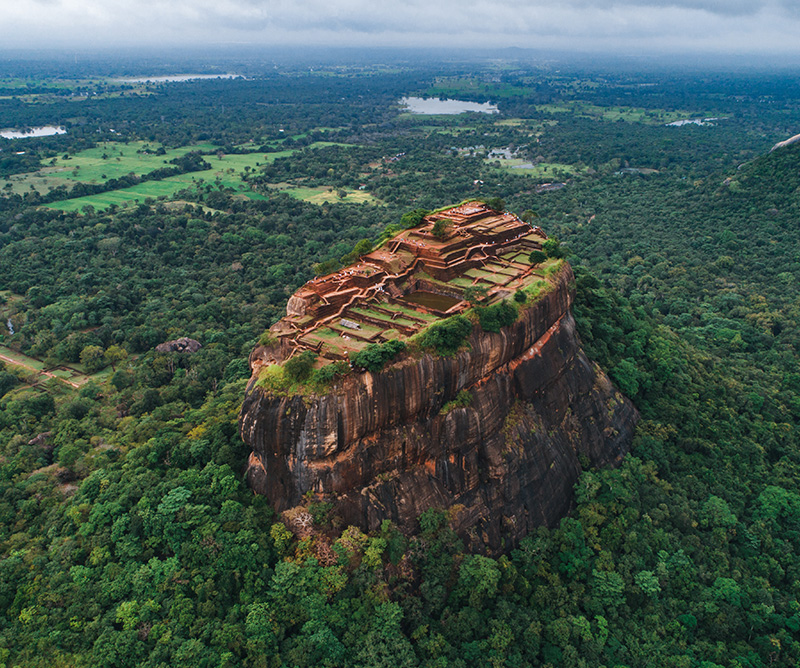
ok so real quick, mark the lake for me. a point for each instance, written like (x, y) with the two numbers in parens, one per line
(43, 131)
(433, 105)
(177, 77)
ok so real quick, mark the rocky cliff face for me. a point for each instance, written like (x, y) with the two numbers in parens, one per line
(380, 446)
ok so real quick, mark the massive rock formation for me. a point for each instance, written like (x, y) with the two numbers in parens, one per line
(380, 446)
(181, 345)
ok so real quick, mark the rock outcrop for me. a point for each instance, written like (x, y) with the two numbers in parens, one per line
(786, 142)
(380, 446)
(181, 345)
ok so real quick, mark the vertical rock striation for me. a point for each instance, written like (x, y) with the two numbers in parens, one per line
(380, 446)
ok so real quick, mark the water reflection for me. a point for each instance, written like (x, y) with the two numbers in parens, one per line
(432, 105)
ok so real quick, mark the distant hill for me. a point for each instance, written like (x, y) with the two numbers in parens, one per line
(775, 176)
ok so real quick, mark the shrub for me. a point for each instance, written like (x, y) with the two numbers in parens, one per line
(494, 318)
(327, 374)
(537, 257)
(361, 248)
(476, 293)
(273, 379)
(520, 297)
(122, 379)
(462, 400)
(535, 289)
(553, 268)
(441, 227)
(446, 337)
(413, 218)
(92, 358)
(326, 267)
(626, 376)
(299, 367)
(321, 511)
(267, 339)
(431, 521)
(496, 203)
(389, 232)
(553, 249)
(375, 356)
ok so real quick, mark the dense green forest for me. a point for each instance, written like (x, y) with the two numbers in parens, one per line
(127, 534)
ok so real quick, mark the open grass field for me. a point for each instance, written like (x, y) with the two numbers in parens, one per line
(487, 276)
(227, 170)
(133, 195)
(326, 195)
(62, 96)
(408, 116)
(74, 375)
(542, 170)
(627, 114)
(501, 269)
(22, 83)
(9, 356)
(533, 127)
(452, 87)
(90, 166)
(463, 282)
(70, 90)
(445, 130)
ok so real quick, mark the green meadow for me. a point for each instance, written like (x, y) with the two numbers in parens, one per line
(453, 87)
(15, 358)
(542, 170)
(108, 160)
(227, 170)
(75, 374)
(617, 113)
(327, 195)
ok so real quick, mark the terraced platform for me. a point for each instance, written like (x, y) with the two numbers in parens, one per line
(412, 280)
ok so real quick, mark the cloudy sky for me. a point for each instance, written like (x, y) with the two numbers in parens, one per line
(618, 26)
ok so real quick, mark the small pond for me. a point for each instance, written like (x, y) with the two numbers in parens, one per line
(43, 131)
(431, 300)
(433, 105)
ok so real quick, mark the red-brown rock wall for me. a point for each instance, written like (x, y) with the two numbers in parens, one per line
(379, 445)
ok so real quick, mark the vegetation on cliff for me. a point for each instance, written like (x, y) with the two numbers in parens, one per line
(374, 357)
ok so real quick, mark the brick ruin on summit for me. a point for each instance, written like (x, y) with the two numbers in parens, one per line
(411, 281)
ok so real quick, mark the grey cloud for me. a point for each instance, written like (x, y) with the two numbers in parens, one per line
(720, 7)
(720, 25)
